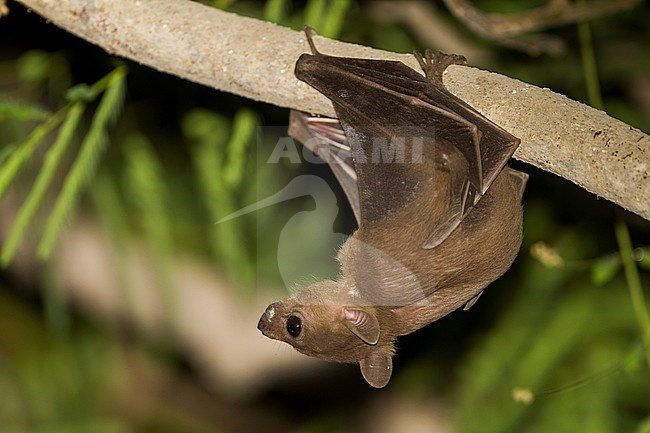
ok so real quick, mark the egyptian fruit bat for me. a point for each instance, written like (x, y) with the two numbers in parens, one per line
(439, 215)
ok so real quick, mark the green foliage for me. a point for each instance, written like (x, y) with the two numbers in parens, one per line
(7, 150)
(51, 384)
(634, 284)
(80, 172)
(43, 180)
(592, 82)
(113, 215)
(274, 10)
(15, 162)
(149, 197)
(326, 16)
(605, 269)
(220, 163)
(84, 167)
(20, 111)
(40, 66)
(644, 427)
(550, 347)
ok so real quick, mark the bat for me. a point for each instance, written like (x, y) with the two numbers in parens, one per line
(439, 213)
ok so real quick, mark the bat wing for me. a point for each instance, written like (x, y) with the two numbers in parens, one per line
(494, 145)
(324, 137)
(394, 119)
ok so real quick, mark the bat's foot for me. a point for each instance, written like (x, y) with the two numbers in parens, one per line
(434, 64)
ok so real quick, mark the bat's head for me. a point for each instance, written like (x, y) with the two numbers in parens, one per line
(316, 323)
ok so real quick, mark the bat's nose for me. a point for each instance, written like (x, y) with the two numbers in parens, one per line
(267, 317)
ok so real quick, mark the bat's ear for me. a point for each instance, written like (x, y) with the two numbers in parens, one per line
(362, 323)
(377, 369)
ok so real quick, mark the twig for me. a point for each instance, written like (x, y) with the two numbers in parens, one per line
(255, 59)
(431, 28)
(506, 28)
(639, 304)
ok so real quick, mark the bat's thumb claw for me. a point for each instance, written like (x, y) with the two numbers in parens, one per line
(309, 32)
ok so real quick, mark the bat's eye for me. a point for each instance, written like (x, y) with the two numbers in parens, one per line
(294, 326)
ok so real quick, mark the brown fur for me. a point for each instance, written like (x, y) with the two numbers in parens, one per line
(445, 278)
(406, 266)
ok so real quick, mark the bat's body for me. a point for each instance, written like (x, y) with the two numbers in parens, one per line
(439, 216)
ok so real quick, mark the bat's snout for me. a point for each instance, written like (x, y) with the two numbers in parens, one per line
(266, 321)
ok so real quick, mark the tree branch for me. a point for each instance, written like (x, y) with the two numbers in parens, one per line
(255, 59)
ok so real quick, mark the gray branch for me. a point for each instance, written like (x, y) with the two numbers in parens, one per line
(255, 59)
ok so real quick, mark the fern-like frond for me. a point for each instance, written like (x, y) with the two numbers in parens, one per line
(149, 196)
(242, 135)
(209, 134)
(84, 166)
(24, 151)
(7, 150)
(21, 111)
(35, 197)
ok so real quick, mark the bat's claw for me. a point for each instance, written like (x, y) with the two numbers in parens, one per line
(309, 33)
(435, 63)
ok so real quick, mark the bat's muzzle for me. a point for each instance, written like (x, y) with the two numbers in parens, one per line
(266, 321)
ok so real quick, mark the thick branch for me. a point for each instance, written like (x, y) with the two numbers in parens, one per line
(255, 59)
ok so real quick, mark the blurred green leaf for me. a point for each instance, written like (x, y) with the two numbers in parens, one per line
(334, 19)
(21, 111)
(634, 285)
(84, 167)
(81, 93)
(7, 150)
(15, 162)
(149, 195)
(114, 219)
(35, 65)
(43, 180)
(218, 178)
(605, 269)
(633, 362)
(314, 12)
(241, 139)
(644, 427)
(274, 10)
(327, 16)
